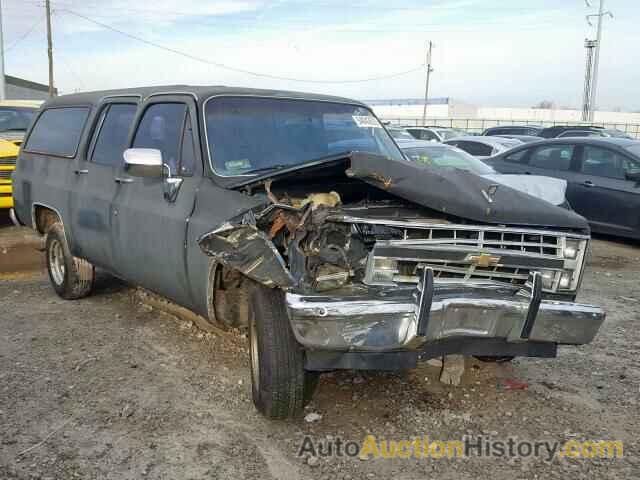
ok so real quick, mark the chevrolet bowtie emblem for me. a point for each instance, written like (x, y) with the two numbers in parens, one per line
(484, 260)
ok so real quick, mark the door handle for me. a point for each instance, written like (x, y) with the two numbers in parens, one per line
(122, 180)
(589, 183)
(81, 172)
(527, 173)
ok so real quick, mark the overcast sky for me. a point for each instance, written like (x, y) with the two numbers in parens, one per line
(485, 52)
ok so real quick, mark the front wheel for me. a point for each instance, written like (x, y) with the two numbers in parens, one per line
(280, 385)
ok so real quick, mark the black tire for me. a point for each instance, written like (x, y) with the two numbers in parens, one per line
(280, 385)
(71, 277)
(503, 359)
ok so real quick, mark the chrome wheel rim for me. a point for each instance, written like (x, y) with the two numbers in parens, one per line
(56, 262)
(255, 358)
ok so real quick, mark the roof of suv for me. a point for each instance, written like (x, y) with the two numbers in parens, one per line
(512, 127)
(201, 93)
(552, 132)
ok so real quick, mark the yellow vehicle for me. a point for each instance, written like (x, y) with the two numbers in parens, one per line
(15, 118)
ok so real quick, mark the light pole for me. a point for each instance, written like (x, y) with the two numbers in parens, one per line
(596, 59)
(47, 7)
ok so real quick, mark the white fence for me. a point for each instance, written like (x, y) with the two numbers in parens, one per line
(478, 125)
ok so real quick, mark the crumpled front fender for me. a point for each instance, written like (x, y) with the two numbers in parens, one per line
(248, 250)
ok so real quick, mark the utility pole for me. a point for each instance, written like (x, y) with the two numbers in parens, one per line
(49, 49)
(596, 59)
(590, 46)
(3, 87)
(426, 90)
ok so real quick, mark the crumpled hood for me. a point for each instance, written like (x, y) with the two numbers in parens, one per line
(552, 190)
(461, 193)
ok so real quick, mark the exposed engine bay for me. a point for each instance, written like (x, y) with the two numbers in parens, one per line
(343, 223)
(374, 255)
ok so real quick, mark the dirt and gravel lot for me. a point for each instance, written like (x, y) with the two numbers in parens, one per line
(110, 388)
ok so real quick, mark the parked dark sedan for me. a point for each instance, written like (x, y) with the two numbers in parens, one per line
(603, 176)
(560, 131)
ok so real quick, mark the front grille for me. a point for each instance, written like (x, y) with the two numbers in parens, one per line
(7, 160)
(462, 252)
(408, 272)
(541, 243)
(6, 174)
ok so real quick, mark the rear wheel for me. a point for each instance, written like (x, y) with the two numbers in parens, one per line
(280, 385)
(71, 277)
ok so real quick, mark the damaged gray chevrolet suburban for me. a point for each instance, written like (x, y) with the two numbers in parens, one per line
(297, 216)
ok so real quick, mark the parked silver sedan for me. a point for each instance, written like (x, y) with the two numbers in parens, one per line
(483, 147)
(552, 190)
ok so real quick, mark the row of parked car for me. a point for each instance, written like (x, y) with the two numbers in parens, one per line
(600, 167)
(15, 118)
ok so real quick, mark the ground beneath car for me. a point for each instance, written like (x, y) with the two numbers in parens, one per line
(109, 388)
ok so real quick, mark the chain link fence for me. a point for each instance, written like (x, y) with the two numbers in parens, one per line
(478, 125)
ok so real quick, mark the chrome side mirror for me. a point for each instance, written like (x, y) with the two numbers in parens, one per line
(148, 162)
(143, 162)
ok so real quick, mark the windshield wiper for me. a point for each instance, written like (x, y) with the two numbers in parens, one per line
(281, 166)
(276, 167)
(14, 130)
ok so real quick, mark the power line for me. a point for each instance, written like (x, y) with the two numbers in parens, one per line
(67, 64)
(236, 69)
(24, 35)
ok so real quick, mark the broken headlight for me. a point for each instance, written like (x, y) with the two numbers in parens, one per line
(330, 277)
(383, 270)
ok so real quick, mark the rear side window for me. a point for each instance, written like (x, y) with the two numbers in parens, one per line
(112, 136)
(57, 131)
(423, 134)
(556, 157)
(602, 162)
(517, 157)
(476, 149)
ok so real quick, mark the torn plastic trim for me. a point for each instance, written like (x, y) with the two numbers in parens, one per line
(248, 250)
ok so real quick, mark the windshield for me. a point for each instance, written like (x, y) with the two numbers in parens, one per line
(448, 157)
(619, 134)
(449, 134)
(508, 142)
(400, 134)
(635, 149)
(16, 119)
(247, 134)
(580, 133)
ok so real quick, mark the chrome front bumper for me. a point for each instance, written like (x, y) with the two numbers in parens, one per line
(365, 319)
